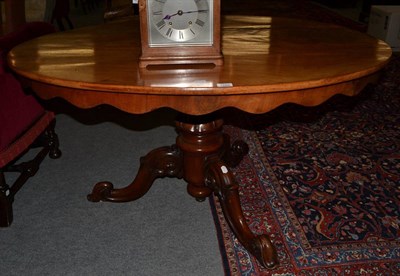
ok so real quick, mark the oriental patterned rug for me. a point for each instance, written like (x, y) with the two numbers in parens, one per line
(324, 183)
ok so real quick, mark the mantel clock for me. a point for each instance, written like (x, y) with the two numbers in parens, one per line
(180, 32)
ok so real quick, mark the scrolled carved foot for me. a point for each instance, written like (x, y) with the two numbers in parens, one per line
(263, 249)
(234, 153)
(100, 192)
(240, 147)
(161, 162)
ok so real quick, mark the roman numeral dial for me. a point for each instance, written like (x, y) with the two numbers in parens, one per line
(179, 22)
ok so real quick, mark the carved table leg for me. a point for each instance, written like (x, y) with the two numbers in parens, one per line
(220, 179)
(161, 162)
(203, 146)
(197, 157)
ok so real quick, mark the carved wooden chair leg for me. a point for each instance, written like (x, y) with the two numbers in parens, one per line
(6, 214)
(52, 141)
(49, 144)
(7, 193)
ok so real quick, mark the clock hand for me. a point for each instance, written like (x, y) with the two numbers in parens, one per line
(168, 17)
(196, 11)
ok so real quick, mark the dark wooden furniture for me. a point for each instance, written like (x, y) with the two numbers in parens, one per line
(24, 124)
(117, 9)
(35, 129)
(14, 11)
(338, 3)
(268, 62)
(87, 5)
(61, 13)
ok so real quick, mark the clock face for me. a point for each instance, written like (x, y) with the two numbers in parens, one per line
(180, 22)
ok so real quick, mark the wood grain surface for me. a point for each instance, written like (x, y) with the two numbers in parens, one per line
(268, 61)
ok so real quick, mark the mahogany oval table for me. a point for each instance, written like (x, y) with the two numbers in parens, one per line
(267, 62)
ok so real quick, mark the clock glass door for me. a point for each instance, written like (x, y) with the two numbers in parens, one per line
(180, 22)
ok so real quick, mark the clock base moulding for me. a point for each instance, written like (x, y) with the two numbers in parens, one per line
(145, 61)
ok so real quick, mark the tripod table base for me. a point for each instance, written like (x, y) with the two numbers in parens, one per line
(202, 157)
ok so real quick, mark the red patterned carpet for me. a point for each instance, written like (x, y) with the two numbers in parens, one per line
(323, 182)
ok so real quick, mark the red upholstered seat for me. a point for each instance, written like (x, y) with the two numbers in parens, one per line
(24, 123)
(17, 111)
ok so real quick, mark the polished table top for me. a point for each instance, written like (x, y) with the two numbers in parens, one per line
(275, 60)
(267, 62)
